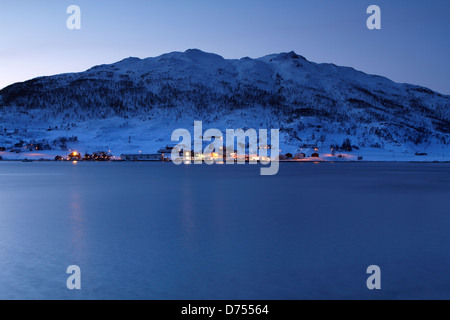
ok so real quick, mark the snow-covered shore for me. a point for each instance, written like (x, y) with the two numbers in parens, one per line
(361, 155)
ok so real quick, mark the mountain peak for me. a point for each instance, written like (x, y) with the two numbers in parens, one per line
(289, 56)
(195, 51)
(199, 54)
(283, 56)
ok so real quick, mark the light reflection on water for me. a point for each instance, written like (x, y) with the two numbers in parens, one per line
(158, 231)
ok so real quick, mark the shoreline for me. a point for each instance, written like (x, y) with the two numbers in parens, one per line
(281, 161)
(367, 156)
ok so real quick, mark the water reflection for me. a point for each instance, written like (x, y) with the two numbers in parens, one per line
(77, 222)
(186, 202)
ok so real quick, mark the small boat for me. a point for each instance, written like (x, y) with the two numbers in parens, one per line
(26, 160)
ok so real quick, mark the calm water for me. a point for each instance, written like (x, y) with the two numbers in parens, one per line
(158, 231)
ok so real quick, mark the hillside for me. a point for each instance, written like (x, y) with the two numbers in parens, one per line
(135, 104)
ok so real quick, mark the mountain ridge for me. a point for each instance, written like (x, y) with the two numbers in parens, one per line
(311, 103)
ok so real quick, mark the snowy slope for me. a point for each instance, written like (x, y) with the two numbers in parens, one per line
(135, 104)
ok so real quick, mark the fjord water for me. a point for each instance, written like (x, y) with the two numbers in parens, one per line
(160, 231)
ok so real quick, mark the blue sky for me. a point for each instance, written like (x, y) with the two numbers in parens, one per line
(413, 45)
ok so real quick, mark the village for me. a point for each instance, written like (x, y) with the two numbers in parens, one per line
(18, 145)
(27, 152)
(67, 148)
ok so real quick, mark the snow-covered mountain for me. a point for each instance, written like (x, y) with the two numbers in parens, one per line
(135, 104)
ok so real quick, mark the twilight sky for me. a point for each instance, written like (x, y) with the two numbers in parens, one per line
(413, 45)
